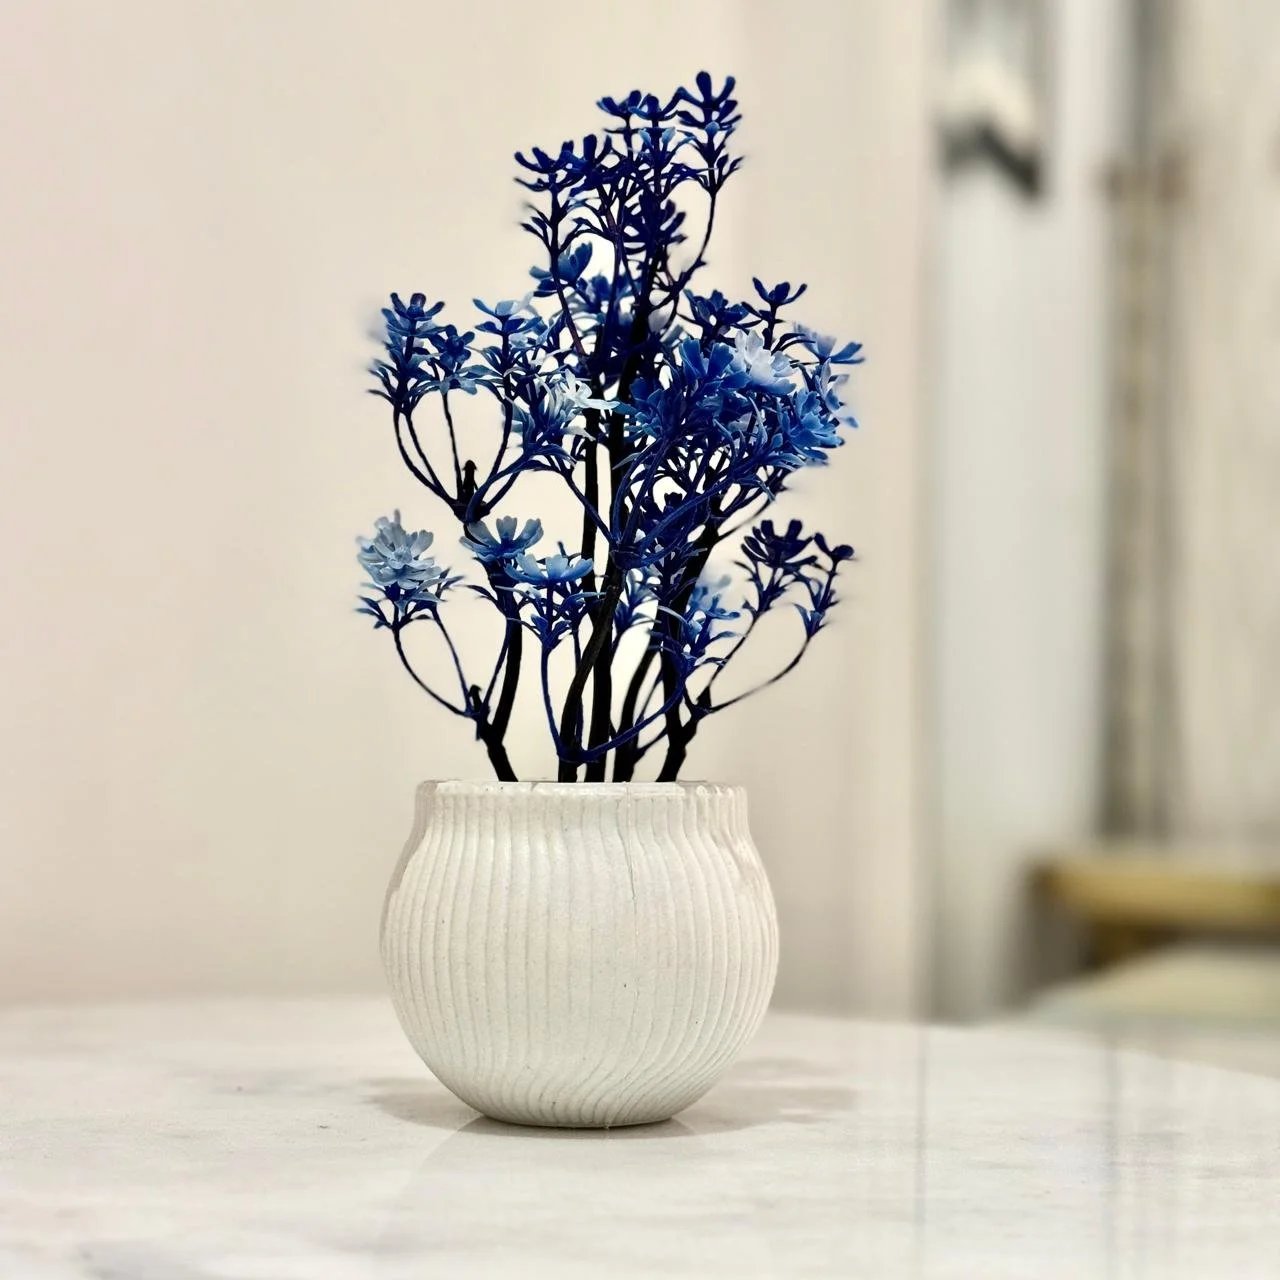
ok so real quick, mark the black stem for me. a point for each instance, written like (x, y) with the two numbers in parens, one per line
(601, 632)
(514, 644)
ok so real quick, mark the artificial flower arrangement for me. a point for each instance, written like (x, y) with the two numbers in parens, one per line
(672, 418)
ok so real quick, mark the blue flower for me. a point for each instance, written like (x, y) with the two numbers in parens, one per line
(830, 387)
(640, 588)
(715, 315)
(553, 173)
(709, 120)
(410, 320)
(402, 378)
(395, 557)
(775, 562)
(768, 370)
(548, 595)
(780, 295)
(820, 587)
(549, 571)
(786, 550)
(812, 431)
(840, 552)
(714, 371)
(509, 318)
(553, 405)
(452, 351)
(568, 396)
(698, 626)
(700, 395)
(567, 271)
(704, 611)
(634, 107)
(490, 549)
(398, 567)
(502, 310)
(705, 598)
(824, 346)
(541, 431)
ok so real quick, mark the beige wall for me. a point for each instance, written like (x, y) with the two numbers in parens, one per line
(206, 764)
(1019, 465)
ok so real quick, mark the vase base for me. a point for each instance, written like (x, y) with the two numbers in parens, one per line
(528, 1122)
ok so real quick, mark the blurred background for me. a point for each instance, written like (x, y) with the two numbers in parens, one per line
(1032, 772)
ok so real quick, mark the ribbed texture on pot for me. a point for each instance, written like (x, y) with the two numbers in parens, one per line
(579, 954)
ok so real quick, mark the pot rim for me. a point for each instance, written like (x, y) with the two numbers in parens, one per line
(551, 786)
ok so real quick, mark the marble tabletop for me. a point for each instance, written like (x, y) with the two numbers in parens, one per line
(302, 1140)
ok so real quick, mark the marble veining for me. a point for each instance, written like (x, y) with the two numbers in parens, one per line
(274, 1140)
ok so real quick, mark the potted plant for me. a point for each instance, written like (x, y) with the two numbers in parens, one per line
(594, 950)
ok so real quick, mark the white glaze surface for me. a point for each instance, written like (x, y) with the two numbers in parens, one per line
(580, 953)
(302, 1140)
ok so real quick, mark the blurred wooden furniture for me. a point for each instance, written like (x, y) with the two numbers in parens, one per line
(1184, 945)
(1132, 896)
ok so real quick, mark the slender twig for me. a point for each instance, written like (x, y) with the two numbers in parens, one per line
(400, 419)
(453, 440)
(448, 639)
(545, 668)
(591, 518)
(597, 753)
(654, 685)
(498, 665)
(699, 261)
(712, 707)
(463, 711)
(725, 657)
(626, 759)
(769, 500)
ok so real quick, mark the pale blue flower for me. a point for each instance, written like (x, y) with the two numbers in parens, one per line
(489, 548)
(768, 370)
(398, 567)
(395, 557)
(823, 346)
(553, 570)
(568, 396)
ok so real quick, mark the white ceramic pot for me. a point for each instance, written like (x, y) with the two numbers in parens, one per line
(579, 954)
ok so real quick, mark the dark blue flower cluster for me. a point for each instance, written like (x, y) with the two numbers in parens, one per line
(672, 417)
(782, 564)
